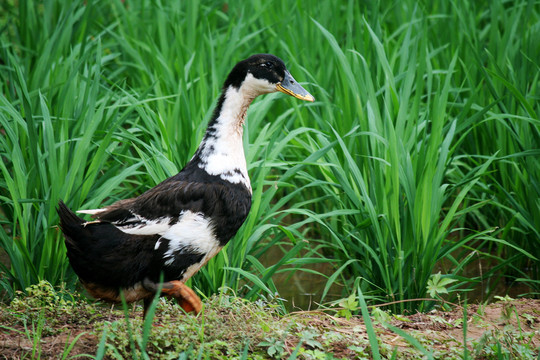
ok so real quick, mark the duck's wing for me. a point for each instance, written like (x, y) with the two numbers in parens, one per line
(155, 211)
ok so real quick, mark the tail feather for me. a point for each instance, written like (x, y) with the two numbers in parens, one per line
(70, 223)
(101, 253)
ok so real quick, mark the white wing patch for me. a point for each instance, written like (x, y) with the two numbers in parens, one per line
(136, 225)
(192, 231)
(144, 226)
(91, 211)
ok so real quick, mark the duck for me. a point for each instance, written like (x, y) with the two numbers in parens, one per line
(155, 242)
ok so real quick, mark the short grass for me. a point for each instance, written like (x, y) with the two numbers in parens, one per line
(49, 323)
(421, 153)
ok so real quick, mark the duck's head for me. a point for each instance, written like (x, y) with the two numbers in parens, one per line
(263, 74)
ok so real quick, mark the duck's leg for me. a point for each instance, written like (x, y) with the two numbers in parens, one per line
(146, 304)
(187, 299)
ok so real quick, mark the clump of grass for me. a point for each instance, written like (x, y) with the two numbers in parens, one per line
(56, 307)
(56, 117)
(405, 109)
(230, 327)
(45, 321)
(226, 326)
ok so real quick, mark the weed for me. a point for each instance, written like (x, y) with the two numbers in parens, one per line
(274, 346)
(437, 285)
(349, 306)
(496, 344)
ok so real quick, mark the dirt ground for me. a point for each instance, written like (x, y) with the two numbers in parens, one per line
(441, 332)
(484, 323)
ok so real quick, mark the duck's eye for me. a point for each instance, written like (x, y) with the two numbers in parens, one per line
(267, 64)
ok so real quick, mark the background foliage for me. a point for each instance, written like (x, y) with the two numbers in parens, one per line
(421, 153)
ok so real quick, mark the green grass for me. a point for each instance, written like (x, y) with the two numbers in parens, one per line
(400, 162)
(421, 152)
(47, 322)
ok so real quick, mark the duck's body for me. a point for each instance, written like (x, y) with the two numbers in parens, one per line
(173, 229)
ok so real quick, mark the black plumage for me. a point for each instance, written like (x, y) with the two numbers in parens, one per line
(190, 190)
(173, 229)
(94, 251)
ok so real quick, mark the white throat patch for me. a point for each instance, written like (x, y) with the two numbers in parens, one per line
(222, 153)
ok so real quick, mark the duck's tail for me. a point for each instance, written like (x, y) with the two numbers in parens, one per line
(70, 223)
(101, 253)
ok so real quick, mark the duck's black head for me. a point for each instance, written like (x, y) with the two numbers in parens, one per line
(265, 73)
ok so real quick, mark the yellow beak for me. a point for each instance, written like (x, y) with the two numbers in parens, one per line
(291, 87)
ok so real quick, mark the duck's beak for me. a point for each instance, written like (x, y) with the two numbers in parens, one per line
(291, 87)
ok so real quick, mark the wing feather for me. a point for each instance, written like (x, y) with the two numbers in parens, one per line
(160, 207)
(91, 211)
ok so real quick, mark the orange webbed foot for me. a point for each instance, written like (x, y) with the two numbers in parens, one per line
(186, 297)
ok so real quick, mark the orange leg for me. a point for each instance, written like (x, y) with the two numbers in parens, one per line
(188, 300)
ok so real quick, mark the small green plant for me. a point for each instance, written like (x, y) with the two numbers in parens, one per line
(308, 337)
(53, 305)
(349, 306)
(381, 316)
(274, 346)
(34, 334)
(438, 285)
(360, 352)
(507, 306)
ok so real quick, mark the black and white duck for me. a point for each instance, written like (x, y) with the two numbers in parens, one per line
(169, 232)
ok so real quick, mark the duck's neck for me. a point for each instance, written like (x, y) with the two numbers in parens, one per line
(221, 151)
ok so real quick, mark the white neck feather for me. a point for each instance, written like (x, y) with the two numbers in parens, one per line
(222, 149)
